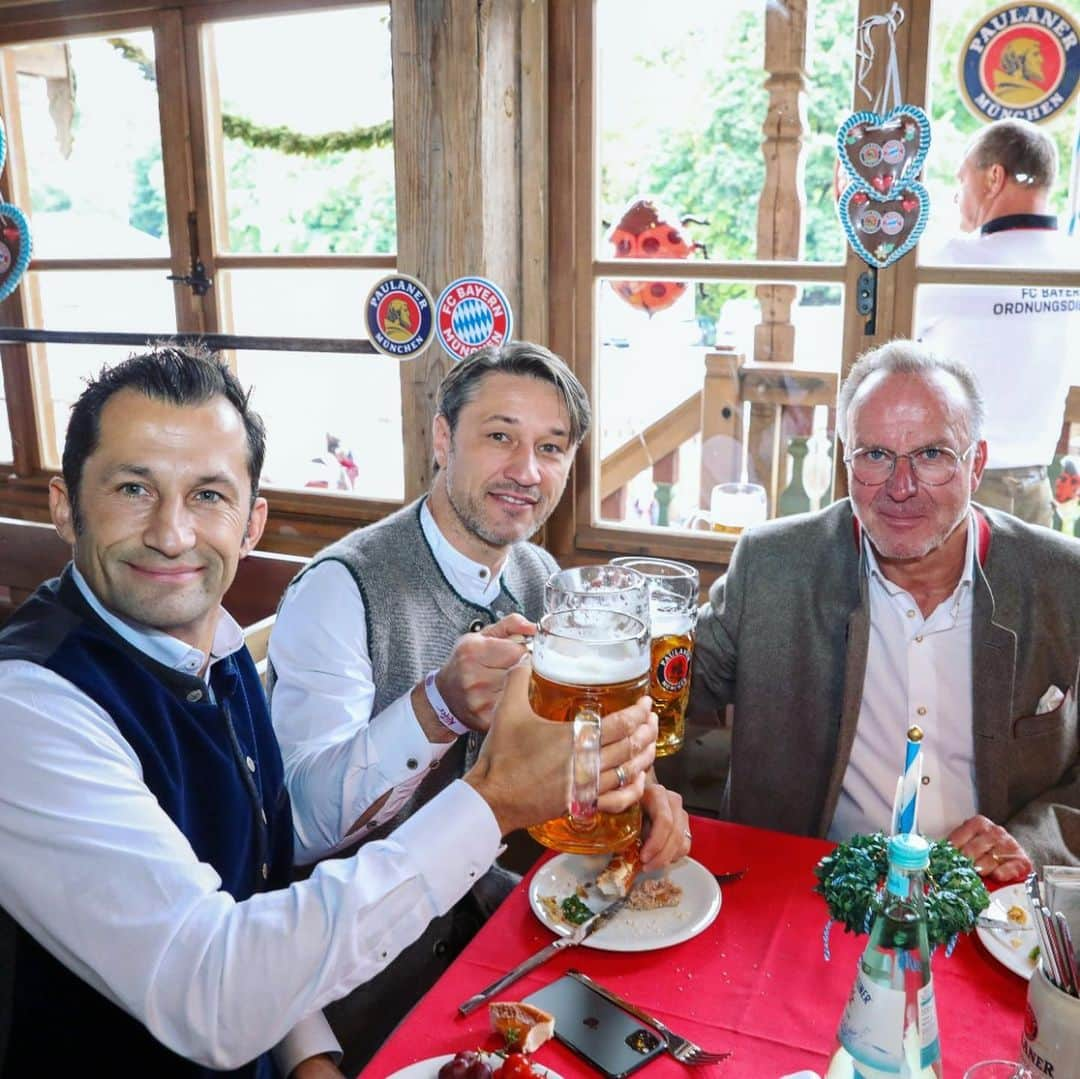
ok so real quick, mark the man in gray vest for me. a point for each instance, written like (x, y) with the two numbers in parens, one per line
(395, 641)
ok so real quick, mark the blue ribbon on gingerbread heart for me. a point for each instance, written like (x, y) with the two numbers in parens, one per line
(884, 150)
(15, 243)
(15, 248)
(881, 231)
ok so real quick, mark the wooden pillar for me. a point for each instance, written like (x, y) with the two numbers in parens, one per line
(779, 233)
(462, 205)
(721, 421)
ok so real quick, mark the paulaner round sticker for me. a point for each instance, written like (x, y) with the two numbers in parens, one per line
(471, 314)
(399, 314)
(1022, 61)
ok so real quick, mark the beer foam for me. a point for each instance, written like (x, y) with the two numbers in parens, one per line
(591, 664)
(671, 623)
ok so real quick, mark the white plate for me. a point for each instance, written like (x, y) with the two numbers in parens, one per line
(429, 1069)
(630, 930)
(1011, 949)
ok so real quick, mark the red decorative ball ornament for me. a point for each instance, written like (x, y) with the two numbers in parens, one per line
(646, 232)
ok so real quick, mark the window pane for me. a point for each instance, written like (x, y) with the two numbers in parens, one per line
(663, 451)
(6, 452)
(954, 124)
(683, 111)
(92, 146)
(126, 301)
(1023, 343)
(314, 403)
(297, 76)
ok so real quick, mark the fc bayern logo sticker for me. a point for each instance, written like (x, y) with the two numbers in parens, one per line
(471, 314)
(399, 313)
(1021, 62)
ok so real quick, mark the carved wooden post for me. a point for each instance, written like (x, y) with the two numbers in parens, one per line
(782, 198)
(462, 204)
(721, 421)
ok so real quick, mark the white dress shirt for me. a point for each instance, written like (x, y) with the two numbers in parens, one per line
(339, 758)
(918, 673)
(93, 869)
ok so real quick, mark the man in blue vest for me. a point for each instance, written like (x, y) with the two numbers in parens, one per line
(146, 835)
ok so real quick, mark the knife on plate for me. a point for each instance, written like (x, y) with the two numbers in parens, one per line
(583, 932)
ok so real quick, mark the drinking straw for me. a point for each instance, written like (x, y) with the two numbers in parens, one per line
(909, 802)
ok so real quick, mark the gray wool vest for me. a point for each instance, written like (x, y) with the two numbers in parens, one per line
(414, 618)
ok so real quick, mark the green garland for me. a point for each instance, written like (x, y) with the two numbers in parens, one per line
(851, 878)
(282, 139)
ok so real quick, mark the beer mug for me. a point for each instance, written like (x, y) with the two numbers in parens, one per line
(1050, 1043)
(733, 507)
(608, 587)
(585, 664)
(673, 603)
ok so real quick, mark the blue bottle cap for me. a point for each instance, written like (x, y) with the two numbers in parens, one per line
(909, 851)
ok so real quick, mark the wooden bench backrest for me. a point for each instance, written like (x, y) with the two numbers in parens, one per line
(31, 552)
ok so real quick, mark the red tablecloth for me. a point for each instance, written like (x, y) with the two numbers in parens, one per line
(755, 981)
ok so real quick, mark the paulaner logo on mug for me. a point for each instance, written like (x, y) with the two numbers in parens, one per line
(1050, 1044)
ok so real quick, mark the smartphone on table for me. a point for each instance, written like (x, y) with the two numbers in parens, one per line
(612, 1040)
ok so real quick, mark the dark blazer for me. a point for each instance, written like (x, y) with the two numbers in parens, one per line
(785, 635)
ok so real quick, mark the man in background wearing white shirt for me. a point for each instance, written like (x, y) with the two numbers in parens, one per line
(395, 641)
(1022, 343)
(145, 828)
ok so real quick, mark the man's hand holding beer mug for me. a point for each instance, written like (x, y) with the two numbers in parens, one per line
(524, 769)
(471, 680)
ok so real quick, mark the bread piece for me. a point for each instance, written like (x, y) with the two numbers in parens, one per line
(618, 877)
(523, 1026)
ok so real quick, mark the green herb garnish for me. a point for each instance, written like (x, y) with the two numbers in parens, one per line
(1033, 955)
(575, 911)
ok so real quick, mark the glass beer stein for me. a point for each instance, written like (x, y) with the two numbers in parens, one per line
(610, 587)
(587, 663)
(673, 602)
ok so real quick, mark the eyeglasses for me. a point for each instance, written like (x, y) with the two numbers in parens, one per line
(932, 465)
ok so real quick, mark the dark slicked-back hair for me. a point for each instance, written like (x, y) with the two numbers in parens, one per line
(188, 374)
(462, 381)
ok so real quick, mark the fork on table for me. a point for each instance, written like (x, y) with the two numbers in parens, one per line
(682, 1049)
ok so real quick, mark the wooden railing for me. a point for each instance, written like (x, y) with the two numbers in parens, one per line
(782, 399)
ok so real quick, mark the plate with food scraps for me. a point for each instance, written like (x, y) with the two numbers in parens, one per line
(1012, 948)
(429, 1069)
(571, 879)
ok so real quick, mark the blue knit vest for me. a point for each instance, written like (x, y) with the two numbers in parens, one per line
(195, 760)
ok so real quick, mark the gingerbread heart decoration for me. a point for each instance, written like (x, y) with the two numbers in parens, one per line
(883, 230)
(14, 239)
(884, 151)
(15, 248)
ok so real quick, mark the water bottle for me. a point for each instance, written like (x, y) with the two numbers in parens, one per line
(889, 1027)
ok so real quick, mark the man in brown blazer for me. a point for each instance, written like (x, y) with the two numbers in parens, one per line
(832, 633)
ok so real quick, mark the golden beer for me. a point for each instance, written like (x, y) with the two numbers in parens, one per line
(673, 599)
(581, 665)
(669, 681)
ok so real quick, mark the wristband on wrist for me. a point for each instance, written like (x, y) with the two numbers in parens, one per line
(435, 699)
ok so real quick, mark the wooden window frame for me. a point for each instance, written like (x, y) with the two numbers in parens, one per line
(575, 534)
(301, 522)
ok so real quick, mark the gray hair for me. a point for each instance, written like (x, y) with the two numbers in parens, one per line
(1021, 148)
(463, 380)
(910, 358)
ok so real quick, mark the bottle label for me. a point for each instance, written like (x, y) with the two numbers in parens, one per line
(930, 1048)
(898, 882)
(872, 1028)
